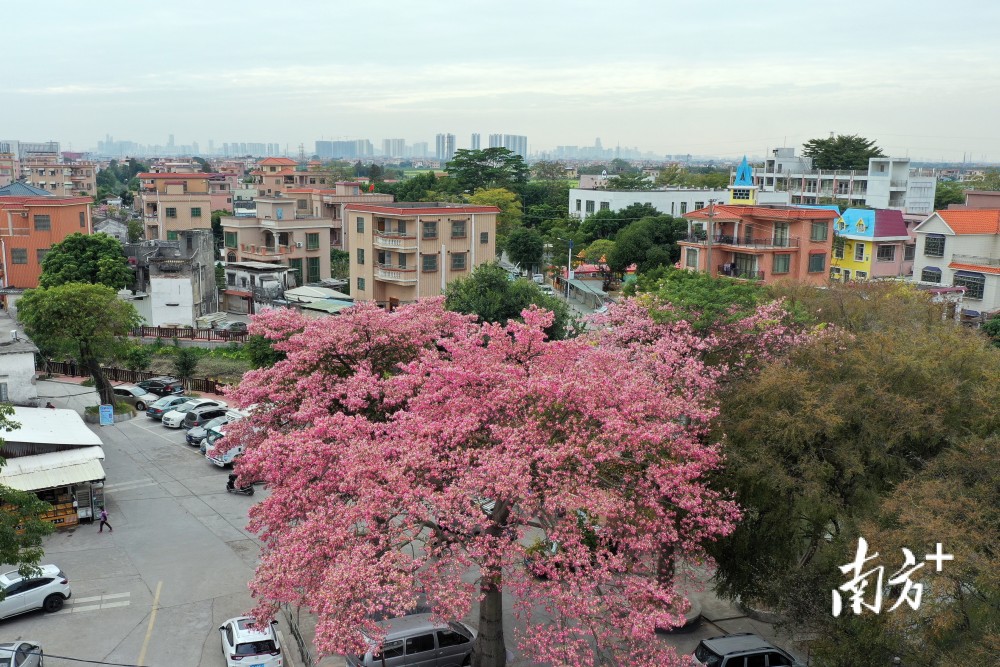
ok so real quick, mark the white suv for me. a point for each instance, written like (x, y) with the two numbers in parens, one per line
(240, 639)
(47, 591)
(175, 418)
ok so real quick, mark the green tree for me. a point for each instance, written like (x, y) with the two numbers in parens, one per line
(948, 192)
(630, 181)
(606, 224)
(545, 170)
(649, 242)
(525, 247)
(844, 151)
(340, 263)
(990, 180)
(217, 233)
(206, 168)
(136, 356)
(185, 363)
(671, 174)
(487, 169)
(84, 320)
(86, 258)
(220, 274)
(260, 352)
(417, 187)
(135, 231)
(509, 217)
(599, 251)
(490, 294)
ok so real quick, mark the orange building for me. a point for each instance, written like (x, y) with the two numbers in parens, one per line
(31, 221)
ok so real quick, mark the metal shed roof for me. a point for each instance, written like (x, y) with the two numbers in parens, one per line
(55, 469)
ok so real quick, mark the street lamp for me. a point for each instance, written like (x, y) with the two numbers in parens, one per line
(569, 264)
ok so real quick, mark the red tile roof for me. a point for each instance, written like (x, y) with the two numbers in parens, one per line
(975, 267)
(182, 175)
(737, 212)
(420, 210)
(972, 221)
(889, 223)
(278, 161)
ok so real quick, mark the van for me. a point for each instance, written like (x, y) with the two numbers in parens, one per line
(418, 640)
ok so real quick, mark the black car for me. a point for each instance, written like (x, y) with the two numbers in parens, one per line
(203, 414)
(232, 329)
(162, 386)
(195, 436)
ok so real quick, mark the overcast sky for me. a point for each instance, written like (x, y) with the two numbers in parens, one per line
(722, 78)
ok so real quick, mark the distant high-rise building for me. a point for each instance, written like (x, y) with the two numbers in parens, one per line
(170, 141)
(475, 141)
(516, 143)
(444, 147)
(393, 147)
(496, 141)
(419, 149)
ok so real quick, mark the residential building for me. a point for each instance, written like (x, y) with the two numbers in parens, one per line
(744, 239)
(175, 280)
(444, 147)
(31, 221)
(10, 168)
(25, 150)
(276, 175)
(876, 244)
(112, 227)
(254, 286)
(973, 199)
(277, 236)
(887, 183)
(961, 249)
(393, 147)
(173, 202)
(403, 251)
(17, 367)
(476, 142)
(328, 203)
(63, 179)
(515, 143)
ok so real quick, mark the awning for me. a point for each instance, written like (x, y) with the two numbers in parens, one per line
(54, 469)
(234, 292)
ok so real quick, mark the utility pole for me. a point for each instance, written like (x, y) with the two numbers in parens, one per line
(708, 251)
(569, 268)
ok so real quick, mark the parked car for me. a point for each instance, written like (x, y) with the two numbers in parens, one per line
(547, 289)
(739, 649)
(538, 278)
(418, 639)
(164, 405)
(227, 329)
(21, 654)
(198, 434)
(48, 591)
(135, 396)
(175, 418)
(163, 385)
(202, 414)
(243, 644)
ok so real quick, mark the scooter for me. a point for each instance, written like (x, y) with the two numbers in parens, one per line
(231, 487)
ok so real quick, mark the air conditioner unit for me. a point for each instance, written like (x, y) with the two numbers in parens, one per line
(298, 244)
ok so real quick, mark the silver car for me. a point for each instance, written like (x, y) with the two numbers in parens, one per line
(418, 640)
(21, 654)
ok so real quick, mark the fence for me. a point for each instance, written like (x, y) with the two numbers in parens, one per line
(73, 369)
(190, 333)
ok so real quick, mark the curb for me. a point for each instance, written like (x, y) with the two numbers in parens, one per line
(286, 652)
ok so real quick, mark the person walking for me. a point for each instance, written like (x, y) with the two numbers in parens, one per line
(104, 521)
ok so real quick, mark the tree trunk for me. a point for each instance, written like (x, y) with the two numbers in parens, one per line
(489, 649)
(104, 389)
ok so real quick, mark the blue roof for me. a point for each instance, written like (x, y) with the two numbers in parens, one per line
(744, 174)
(19, 189)
(853, 217)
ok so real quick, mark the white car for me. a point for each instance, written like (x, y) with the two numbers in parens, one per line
(175, 418)
(247, 646)
(46, 591)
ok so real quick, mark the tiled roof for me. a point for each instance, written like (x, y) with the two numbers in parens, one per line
(973, 221)
(184, 175)
(19, 189)
(428, 208)
(889, 223)
(736, 212)
(278, 161)
(975, 267)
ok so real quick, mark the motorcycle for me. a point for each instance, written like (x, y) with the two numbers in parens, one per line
(231, 487)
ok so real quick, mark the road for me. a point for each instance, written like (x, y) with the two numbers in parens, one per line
(177, 534)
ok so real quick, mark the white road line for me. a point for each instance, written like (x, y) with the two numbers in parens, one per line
(149, 430)
(129, 486)
(96, 598)
(109, 605)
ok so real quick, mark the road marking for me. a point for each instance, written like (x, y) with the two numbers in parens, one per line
(94, 603)
(152, 621)
(151, 431)
(98, 598)
(128, 486)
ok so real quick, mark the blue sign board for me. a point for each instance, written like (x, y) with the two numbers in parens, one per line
(107, 415)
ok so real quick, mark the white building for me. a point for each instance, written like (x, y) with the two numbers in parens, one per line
(889, 182)
(961, 249)
(671, 201)
(17, 368)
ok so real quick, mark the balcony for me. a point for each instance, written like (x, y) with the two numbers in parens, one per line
(762, 244)
(975, 259)
(396, 274)
(265, 252)
(897, 185)
(734, 272)
(395, 241)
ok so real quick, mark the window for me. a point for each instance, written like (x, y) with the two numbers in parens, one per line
(930, 274)
(195, 211)
(484, 237)
(430, 229)
(230, 239)
(171, 236)
(43, 223)
(18, 255)
(684, 207)
(231, 279)
(758, 660)
(312, 269)
(817, 263)
(775, 659)
(590, 206)
(458, 261)
(691, 258)
(171, 212)
(41, 253)
(741, 193)
(859, 252)
(861, 275)
(361, 284)
(838, 250)
(819, 231)
(605, 206)
(974, 283)
(861, 226)
(296, 266)
(312, 241)
(83, 219)
(578, 204)
(698, 205)
(783, 263)
(419, 644)
(361, 255)
(392, 649)
(934, 245)
(886, 253)
(458, 229)
(428, 263)
(909, 252)
(361, 225)
(5, 399)
(301, 204)
(451, 638)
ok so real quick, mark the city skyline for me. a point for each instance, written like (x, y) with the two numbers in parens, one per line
(719, 80)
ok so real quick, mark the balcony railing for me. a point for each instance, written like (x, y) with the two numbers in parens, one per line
(395, 241)
(975, 259)
(399, 274)
(743, 242)
(734, 272)
(265, 251)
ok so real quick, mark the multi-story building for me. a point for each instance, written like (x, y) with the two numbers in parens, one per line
(276, 235)
(63, 179)
(10, 168)
(516, 143)
(26, 150)
(328, 203)
(444, 147)
(403, 251)
(172, 202)
(876, 244)
(961, 249)
(31, 221)
(254, 286)
(393, 147)
(744, 239)
(887, 183)
(276, 175)
(476, 141)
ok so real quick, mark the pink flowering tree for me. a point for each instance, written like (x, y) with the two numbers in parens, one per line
(419, 453)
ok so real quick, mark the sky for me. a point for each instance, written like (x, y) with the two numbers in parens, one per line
(721, 78)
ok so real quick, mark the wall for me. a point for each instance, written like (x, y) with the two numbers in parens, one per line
(18, 371)
(172, 301)
(66, 216)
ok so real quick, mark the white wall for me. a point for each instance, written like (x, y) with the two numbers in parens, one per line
(18, 371)
(171, 302)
